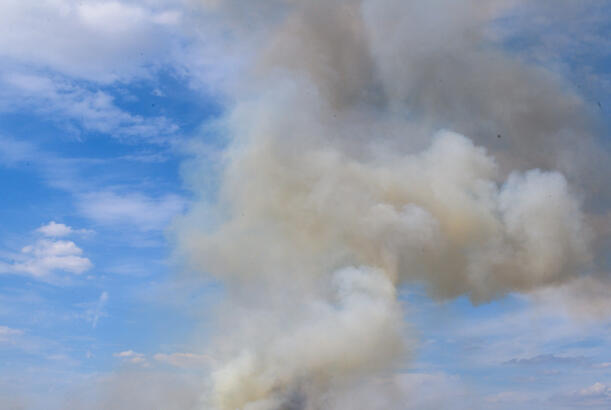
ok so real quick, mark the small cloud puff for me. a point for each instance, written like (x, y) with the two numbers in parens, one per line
(49, 255)
(57, 230)
(129, 356)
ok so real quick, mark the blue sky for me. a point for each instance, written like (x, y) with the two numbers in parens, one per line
(106, 110)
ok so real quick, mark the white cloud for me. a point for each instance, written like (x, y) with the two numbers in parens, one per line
(55, 229)
(7, 334)
(100, 41)
(98, 312)
(184, 360)
(598, 396)
(597, 389)
(93, 110)
(129, 356)
(133, 209)
(127, 353)
(48, 256)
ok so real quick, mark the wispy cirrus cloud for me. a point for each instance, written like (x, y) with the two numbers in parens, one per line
(96, 313)
(56, 230)
(184, 360)
(113, 206)
(133, 209)
(56, 57)
(90, 109)
(129, 356)
(547, 359)
(8, 335)
(13, 151)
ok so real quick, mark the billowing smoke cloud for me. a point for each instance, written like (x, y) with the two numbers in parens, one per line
(377, 143)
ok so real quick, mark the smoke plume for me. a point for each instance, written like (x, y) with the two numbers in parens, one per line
(376, 143)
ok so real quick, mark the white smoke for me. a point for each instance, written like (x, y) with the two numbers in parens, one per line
(343, 182)
(297, 353)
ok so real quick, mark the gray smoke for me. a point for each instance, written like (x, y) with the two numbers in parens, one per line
(377, 143)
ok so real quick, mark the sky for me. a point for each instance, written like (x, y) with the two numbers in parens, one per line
(111, 132)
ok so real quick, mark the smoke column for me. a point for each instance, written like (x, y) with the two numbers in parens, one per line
(377, 143)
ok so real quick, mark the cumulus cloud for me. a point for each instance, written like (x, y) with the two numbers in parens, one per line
(99, 41)
(47, 256)
(55, 229)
